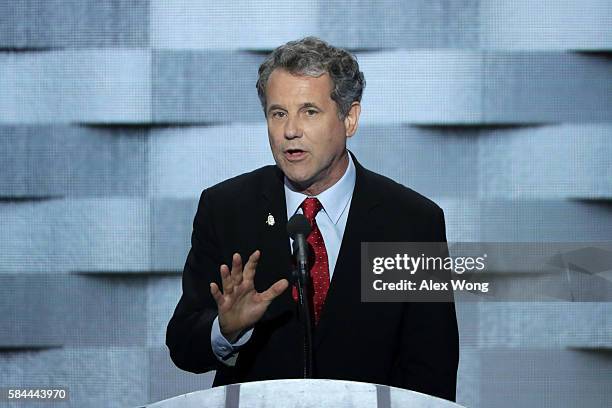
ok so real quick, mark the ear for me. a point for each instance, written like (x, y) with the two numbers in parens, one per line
(351, 122)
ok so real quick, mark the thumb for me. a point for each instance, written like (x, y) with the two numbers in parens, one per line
(275, 290)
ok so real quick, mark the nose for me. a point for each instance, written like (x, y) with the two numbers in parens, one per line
(293, 128)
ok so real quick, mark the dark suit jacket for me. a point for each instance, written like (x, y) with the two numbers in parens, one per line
(408, 345)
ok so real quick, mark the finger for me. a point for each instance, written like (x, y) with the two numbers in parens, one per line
(236, 269)
(239, 277)
(216, 294)
(275, 290)
(251, 266)
(226, 280)
(228, 283)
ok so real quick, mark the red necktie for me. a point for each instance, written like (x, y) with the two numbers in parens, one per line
(319, 271)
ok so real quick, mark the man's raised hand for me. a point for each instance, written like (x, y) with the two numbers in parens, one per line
(240, 306)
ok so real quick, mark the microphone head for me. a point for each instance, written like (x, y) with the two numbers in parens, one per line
(298, 224)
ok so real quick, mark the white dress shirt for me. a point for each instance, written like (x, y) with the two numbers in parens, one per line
(336, 201)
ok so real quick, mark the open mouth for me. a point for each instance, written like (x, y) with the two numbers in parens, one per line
(294, 154)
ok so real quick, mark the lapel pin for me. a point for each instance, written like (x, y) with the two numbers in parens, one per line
(270, 220)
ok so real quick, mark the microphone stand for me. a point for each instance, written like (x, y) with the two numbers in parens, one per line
(298, 228)
(304, 302)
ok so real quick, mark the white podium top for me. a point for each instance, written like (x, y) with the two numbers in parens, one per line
(304, 394)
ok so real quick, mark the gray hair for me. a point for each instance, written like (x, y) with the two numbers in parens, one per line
(314, 57)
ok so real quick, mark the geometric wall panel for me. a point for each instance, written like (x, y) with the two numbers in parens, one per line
(95, 377)
(544, 220)
(468, 381)
(440, 162)
(446, 87)
(73, 23)
(469, 323)
(564, 161)
(419, 87)
(422, 87)
(400, 24)
(85, 86)
(462, 218)
(546, 24)
(205, 87)
(189, 24)
(74, 161)
(171, 227)
(70, 310)
(242, 24)
(526, 220)
(540, 378)
(543, 87)
(86, 235)
(545, 325)
(29, 311)
(163, 293)
(185, 160)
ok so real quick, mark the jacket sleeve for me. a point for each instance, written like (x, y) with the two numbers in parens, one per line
(429, 352)
(188, 335)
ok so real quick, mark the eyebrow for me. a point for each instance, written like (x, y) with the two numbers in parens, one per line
(272, 107)
(304, 105)
(309, 105)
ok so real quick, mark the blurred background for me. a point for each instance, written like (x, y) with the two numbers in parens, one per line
(115, 114)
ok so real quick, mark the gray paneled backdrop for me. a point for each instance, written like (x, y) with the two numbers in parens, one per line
(115, 114)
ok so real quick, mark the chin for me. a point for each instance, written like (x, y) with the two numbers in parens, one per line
(297, 179)
(300, 180)
(295, 174)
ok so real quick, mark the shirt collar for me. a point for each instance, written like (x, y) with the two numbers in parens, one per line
(334, 200)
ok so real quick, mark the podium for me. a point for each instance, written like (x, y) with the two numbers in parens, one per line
(304, 393)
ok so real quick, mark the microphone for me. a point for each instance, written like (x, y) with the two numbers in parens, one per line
(298, 228)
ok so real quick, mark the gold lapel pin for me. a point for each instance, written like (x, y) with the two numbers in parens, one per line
(270, 220)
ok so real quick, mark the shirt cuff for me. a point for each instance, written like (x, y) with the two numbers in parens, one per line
(222, 348)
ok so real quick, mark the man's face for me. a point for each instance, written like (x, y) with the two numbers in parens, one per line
(307, 138)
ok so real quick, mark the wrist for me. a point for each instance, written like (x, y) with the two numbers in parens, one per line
(230, 336)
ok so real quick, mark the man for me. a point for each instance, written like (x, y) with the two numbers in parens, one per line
(242, 319)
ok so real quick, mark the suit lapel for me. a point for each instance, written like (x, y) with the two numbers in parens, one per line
(273, 241)
(344, 288)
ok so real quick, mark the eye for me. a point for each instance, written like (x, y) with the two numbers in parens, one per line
(278, 114)
(311, 112)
